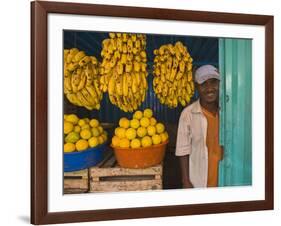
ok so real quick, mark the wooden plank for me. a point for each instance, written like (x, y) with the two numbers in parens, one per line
(75, 191)
(158, 177)
(111, 186)
(83, 174)
(127, 178)
(75, 184)
(118, 171)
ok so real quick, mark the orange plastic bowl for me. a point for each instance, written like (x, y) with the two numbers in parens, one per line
(137, 158)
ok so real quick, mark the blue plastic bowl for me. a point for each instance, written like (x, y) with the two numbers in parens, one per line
(75, 161)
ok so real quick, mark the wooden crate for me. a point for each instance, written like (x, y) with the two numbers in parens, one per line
(76, 182)
(109, 177)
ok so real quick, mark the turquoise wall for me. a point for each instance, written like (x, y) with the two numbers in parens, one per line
(235, 64)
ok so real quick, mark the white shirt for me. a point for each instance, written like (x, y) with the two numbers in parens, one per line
(191, 140)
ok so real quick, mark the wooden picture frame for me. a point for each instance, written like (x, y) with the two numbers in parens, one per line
(39, 112)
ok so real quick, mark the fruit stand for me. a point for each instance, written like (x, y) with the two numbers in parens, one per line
(123, 95)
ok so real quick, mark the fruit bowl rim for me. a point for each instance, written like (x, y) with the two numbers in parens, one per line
(143, 148)
(86, 150)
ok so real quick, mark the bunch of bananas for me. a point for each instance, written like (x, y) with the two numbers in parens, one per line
(123, 70)
(81, 79)
(172, 72)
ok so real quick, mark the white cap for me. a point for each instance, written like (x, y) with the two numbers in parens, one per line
(206, 72)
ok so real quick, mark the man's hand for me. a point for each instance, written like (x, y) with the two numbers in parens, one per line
(184, 163)
(187, 184)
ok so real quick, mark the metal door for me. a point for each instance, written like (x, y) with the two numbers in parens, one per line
(235, 63)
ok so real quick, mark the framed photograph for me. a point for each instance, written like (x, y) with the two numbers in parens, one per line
(148, 112)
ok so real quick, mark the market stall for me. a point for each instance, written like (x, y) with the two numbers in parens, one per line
(123, 95)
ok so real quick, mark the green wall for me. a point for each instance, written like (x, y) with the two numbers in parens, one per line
(235, 64)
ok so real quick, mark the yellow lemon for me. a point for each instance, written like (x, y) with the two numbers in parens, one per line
(94, 123)
(72, 118)
(124, 123)
(146, 141)
(87, 120)
(120, 132)
(100, 129)
(153, 121)
(85, 134)
(135, 143)
(137, 115)
(82, 122)
(147, 113)
(160, 128)
(145, 122)
(69, 147)
(115, 141)
(101, 140)
(134, 123)
(86, 126)
(81, 145)
(156, 139)
(67, 127)
(72, 137)
(131, 133)
(141, 131)
(124, 143)
(104, 136)
(164, 136)
(77, 129)
(93, 142)
(95, 132)
(151, 130)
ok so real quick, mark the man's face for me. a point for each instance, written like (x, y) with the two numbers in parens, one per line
(209, 90)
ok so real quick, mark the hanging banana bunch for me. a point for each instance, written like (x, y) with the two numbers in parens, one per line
(81, 79)
(123, 70)
(172, 82)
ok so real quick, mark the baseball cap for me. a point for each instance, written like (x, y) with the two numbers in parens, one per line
(206, 72)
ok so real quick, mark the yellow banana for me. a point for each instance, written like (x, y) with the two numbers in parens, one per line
(119, 87)
(189, 67)
(111, 86)
(124, 48)
(82, 82)
(117, 55)
(144, 81)
(136, 66)
(112, 35)
(67, 83)
(119, 68)
(125, 85)
(129, 45)
(82, 99)
(123, 58)
(134, 84)
(172, 82)
(92, 100)
(119, 45)
(128, 67)
(92, 91)
(73, 99)
(78, 56)
(72, 66)
(85, 60)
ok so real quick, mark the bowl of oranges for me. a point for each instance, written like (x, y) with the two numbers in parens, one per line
(84, 142)
(139, 142)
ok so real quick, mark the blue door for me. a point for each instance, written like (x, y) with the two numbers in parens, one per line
(235, 64)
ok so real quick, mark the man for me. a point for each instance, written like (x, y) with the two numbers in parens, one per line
(198, 133)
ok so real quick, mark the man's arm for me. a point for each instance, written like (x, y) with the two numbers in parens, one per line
(184, 164)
